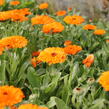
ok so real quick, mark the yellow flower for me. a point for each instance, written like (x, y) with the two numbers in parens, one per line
(52, 55)
(75, 19)
(10, 95)
(54, 27)
(43, 6)
(72, 49)
(104, 80)
(89, 27)
(99, 32)
(14, 42)
(41, 19)
(2, 2)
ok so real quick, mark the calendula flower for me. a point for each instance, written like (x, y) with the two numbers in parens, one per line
(72, 49)
(43, 6)
(41, 19)
(89, 60)
(104, 80)
(15, 15)
(54, 27)
(75, 19)
(61, 13)
(35, 61)
(31, 106)
(67, 42)
(2, 2)
(52, 55)
(69, 9)
(20, 14)
(14, 42)
(10, 95)
(15, 2)
(99, 32)
(89, 27)
(4, 15)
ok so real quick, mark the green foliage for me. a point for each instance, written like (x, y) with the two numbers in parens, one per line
(62, 86)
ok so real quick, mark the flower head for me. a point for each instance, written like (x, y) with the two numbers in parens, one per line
(2, 2)
(89, 60)
(99, 32)
(69, 9)
(89, 27)
(43, 6)
(10, 95)
(61, 13)
(75, 19)
(14, 42)
(54, 27)
(104, 80)
(31, 106)
(15, 2)
(67, 42)
(72, 49)
(41, 19)
(52, 55)
(15, 15)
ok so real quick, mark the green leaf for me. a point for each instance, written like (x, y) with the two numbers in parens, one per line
(60, 104)
(33, 78)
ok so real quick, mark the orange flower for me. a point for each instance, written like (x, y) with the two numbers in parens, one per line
(89, 27)
(4, 15)
(15, 2)
(31, 106)
(67, 42)
(74, 19)
(99, 32)
(36, 53)
(52, 55)
(54, 27)
(15, 15)
(10, 95)
(89, 60)
(43, 6)
(2, 2)
(72, 49)
(19, 15)
(69, 9)
(41, 19)
(14, 42)
(61, 13)
(35, 61)
(104, 80)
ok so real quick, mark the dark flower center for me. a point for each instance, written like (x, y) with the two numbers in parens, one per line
(5, 93)
(54, 54)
